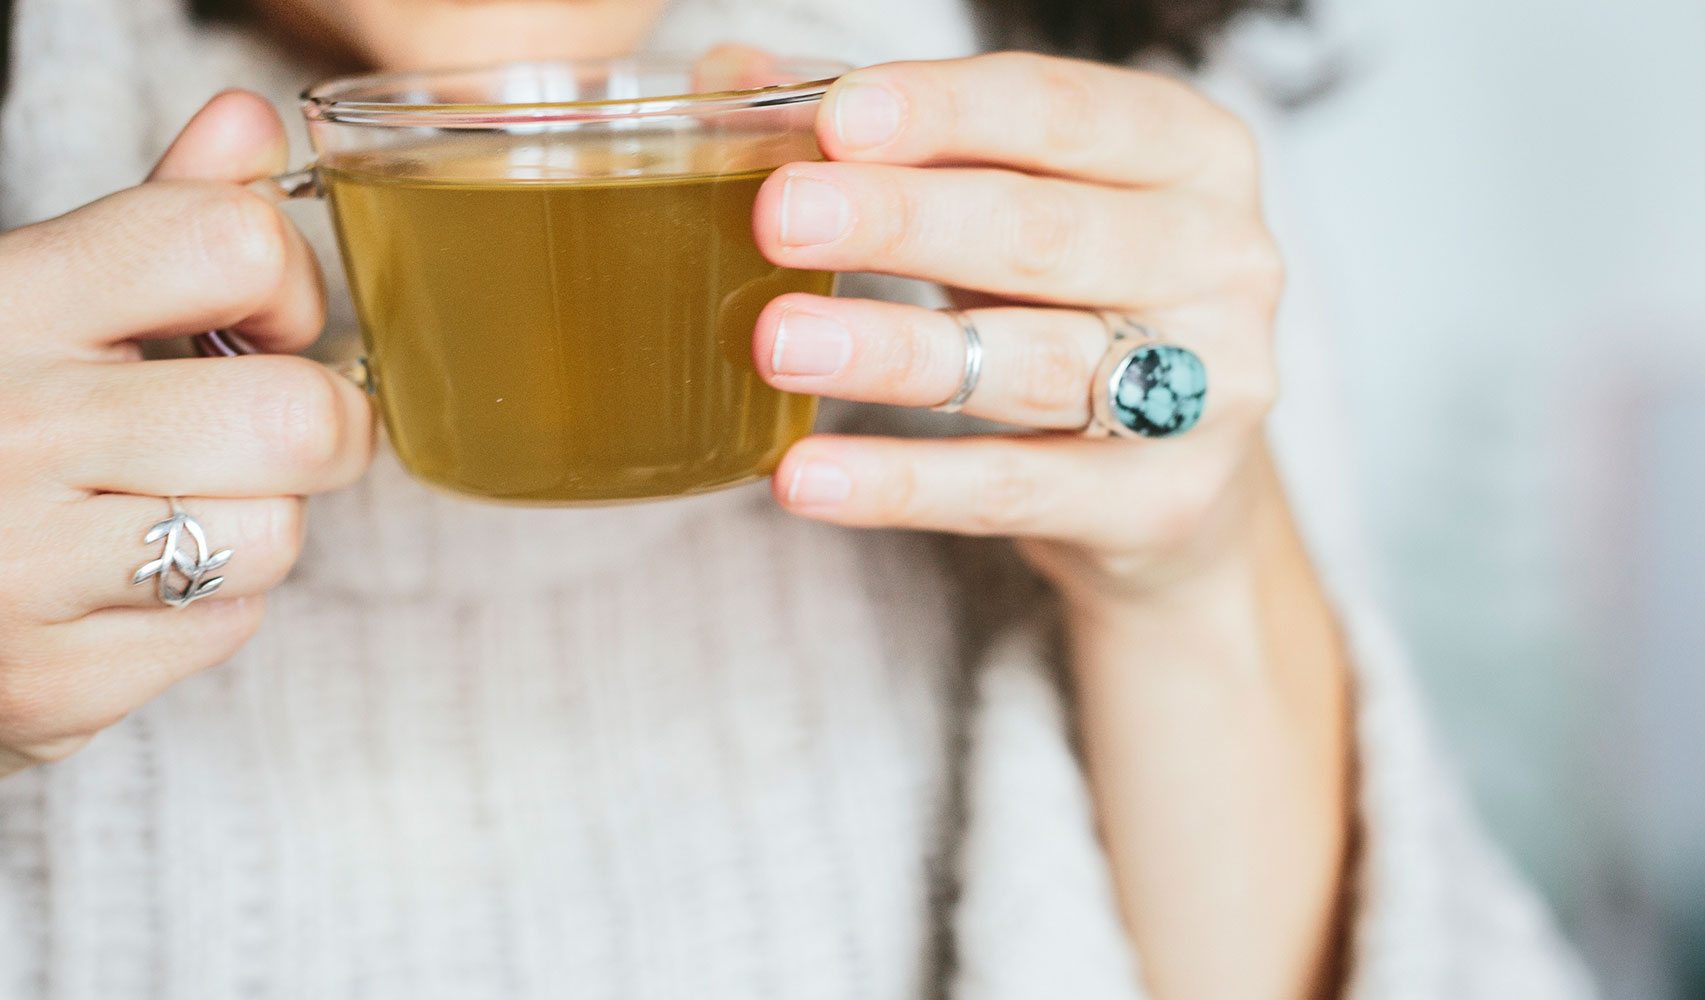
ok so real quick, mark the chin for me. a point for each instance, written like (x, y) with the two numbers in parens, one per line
(449, 33)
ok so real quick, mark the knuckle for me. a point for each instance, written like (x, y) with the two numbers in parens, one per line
(243, 237)
(1007, 500)
(239, 619)
(290, 526)
(1263, 396)
(1244, 254)
(901, 217)
(296, 413)
(909, 356)
(940, 109)
(224, 628)
(1235, 144)
(27, 427)
(1181, 516)
(1042, 242)
(1052, 376)
(1240, 138)
(1070, 113)
(247, 614)
(1252, 401)
(280, 527)
(1014, 61)
(896, 495)
(1260, 261)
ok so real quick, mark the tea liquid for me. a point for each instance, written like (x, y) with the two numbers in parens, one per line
(563, 341)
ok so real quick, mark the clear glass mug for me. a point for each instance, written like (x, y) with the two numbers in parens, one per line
(554, 269)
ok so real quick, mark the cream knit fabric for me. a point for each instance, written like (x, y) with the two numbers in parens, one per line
(688, 750)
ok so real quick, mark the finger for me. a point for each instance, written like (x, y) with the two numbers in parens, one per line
(87, 563)
(189, 251)
(165, 259)
(1026, 238)
(75, 679)
(1106, 495)
(237, 137)
(1036, 371)
(228, 427)
(1035, 487)
(1040, 114)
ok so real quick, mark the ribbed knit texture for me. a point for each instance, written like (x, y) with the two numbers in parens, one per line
(692, 750)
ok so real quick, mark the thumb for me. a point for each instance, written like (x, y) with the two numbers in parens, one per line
(237, 137)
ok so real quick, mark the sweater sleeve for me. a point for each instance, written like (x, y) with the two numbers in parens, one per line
(1436, 913)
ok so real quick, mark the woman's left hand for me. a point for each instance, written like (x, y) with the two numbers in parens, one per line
(1052, 193)
(1211, 687)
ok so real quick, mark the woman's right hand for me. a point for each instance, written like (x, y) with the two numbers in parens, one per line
(93, 439)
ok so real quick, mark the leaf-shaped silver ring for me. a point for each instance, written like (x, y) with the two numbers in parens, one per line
(182, 574)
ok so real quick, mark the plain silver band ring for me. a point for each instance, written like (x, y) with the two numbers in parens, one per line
(973, 365)
(182, 573)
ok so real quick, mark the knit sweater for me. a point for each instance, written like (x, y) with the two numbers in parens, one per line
(695, 749)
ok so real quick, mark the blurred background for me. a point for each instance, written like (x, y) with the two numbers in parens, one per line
(1504, 205)
(1507, 204)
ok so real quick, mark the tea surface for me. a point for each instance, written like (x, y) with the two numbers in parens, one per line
(563, 341)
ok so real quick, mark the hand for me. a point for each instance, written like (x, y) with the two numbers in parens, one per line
(1208, 680)
(1097, 189)
(92, 439)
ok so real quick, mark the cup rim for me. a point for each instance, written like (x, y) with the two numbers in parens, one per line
(335, 101)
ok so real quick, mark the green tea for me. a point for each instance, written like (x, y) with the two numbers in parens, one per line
(563, 341)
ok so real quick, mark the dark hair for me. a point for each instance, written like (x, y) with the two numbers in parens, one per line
(1118, 30)
(1113, 30)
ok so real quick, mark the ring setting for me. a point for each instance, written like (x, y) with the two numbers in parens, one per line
(182, 573)
(1144, 387)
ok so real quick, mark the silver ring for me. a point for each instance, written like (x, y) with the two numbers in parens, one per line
(1144, 387)
(181, 573)
(973, 365)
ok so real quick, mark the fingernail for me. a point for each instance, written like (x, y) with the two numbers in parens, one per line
(813, 212)
(867, 115)
(819, 484)
(810, 345)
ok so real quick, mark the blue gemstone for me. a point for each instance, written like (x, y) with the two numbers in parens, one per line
(1161, 390)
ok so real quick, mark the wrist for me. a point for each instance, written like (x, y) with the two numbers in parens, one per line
(1252, 607)
(1208, 708)
(1212, 579)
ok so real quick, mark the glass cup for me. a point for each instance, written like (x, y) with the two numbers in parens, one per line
(555, 273)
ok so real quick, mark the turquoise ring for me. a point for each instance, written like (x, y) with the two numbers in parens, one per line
(1144, 387)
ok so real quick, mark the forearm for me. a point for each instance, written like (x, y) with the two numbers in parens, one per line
(1214, 723)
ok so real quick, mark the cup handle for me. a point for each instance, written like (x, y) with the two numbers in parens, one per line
(298, 184)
